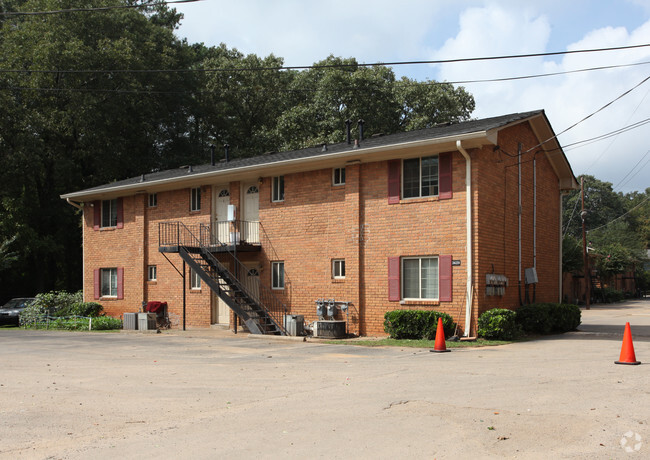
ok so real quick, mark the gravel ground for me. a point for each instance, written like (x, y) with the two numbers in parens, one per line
(211, 394)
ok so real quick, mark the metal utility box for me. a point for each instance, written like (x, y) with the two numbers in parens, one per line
(531, 275)
(147, 321)
(130, 321)
(294, 324)
(331, 329)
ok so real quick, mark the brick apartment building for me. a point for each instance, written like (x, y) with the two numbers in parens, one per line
(383, 223)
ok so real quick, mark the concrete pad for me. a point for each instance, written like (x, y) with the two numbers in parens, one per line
(209, 394)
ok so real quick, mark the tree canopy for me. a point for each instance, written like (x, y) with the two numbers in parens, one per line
(89, 97)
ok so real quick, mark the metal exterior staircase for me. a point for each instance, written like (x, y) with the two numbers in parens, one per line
(260, 311)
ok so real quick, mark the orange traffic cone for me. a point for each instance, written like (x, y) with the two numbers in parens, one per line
(627, 350)
(439, 346)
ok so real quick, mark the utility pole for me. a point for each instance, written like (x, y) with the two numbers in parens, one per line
(585, 255)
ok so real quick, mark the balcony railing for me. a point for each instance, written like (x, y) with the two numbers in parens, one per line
(219, 234)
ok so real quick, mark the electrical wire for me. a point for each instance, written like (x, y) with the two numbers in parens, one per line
(305, 90)
(622, 215)
(590, 115)
(99, 8)
(334, 66)
(637, 172)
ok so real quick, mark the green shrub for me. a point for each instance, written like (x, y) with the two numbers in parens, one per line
(608, 295)
(535, 318)
(499, 324)
(100, 323)
(85, 309)
(548, 318)
(417, 324)
(49, 304)
(566, 317)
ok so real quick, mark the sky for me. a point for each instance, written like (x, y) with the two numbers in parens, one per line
(303, 33)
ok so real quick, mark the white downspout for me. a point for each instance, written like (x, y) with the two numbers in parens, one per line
(76, 205)
(468, 205)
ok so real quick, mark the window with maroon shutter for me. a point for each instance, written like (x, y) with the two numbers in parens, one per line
(393, 181)
(394, 293)
(445, 273)
(444, 173)
(97, 214)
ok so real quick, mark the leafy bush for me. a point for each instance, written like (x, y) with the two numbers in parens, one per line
(548, 318)
(535, 318)
(50, 303)
(499, 324)
(417, 324)
(85, 309)
(608, 295)
(100, 323)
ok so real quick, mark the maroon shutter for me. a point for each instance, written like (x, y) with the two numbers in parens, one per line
(394, 294)
(120, 283)
(97, 284)
(444, 175)
(393, 181)
(120, 213)
(445, 277)
(97, 211)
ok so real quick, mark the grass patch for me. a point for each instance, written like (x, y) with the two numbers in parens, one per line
(418, 343)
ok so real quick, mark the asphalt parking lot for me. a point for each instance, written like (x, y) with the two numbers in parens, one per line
(211, 394)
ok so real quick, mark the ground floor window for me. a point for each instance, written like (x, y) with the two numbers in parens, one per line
(108, 282)
(152, 273)
(420, 278)
(195, 279)
(277, 274)
(338, 268)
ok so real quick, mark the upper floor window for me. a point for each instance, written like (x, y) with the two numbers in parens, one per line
(338, 176)
(109, 213)
(277, 194)
(420, 177)
(195, 199)
(153, 200)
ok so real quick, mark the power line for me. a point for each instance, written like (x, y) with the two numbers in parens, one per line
(601, 137)
(297, 90)
(99, 8)
(590, 115)
(622, 215)
(333, 66)
(636, 172)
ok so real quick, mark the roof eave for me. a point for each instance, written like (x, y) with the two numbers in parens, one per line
(363, 154)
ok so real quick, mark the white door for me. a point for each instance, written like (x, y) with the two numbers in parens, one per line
(220, 310)
(253, 281)
(251, 217)
(221, 230)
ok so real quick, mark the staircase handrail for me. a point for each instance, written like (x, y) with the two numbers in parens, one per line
(265, 298)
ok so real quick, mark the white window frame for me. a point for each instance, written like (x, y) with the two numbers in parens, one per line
(152, 273)
(338, 269)
(435, 187)
(436, 280)
(277, 274)
(108, 282)
(153, 200)
(338, 176)
(277, 189)
(112, 213)
(195, 199)
(195, 280)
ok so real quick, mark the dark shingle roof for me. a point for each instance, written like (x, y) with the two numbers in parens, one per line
(438, 131)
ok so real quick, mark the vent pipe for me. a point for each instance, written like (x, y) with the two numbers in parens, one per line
(360, 124)
(348, 122)
(226, 147)
(212, 155)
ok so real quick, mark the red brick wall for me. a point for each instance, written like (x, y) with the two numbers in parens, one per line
(318, 222)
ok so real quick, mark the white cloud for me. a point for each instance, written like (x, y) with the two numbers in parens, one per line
(567, 99)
